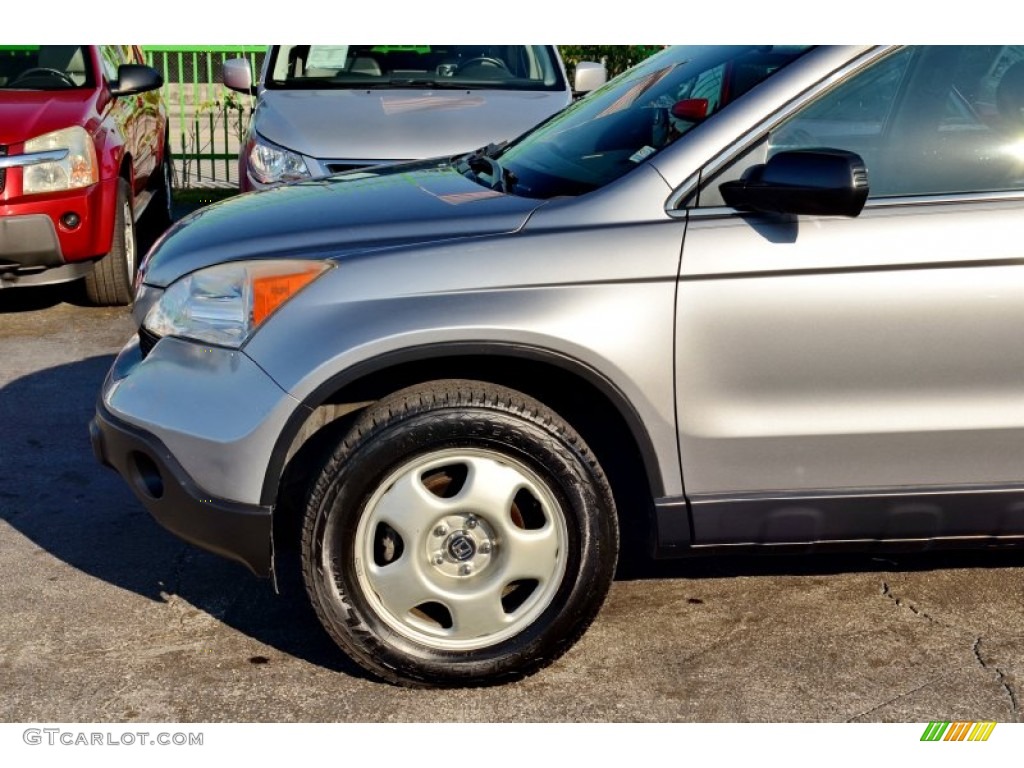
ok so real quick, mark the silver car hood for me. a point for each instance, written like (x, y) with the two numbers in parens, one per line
(324, 218)
(398, 124)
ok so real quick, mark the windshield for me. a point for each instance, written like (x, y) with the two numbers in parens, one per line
(632, 118)
(44, 67)
(502, 67)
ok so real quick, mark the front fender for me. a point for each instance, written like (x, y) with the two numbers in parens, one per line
(617, 337)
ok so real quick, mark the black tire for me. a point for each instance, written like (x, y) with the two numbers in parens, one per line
(110, 282)
(509, 580)
(161, 207)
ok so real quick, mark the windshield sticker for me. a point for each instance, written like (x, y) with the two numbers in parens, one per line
(327, 57)
(642, 154)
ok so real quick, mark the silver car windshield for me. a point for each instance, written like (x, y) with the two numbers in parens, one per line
(632, 118)
(501, 67)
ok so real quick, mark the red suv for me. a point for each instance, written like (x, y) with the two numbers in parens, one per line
(83, 153)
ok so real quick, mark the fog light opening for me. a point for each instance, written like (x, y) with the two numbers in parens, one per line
(146, 476)
(70, 220)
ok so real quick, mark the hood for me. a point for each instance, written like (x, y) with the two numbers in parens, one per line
(398, 124)
(391, 205)
(27, 114)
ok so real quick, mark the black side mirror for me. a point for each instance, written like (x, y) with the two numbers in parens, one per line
(135, 78)
(824, 182)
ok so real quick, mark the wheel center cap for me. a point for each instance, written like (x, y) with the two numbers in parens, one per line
(460, 547)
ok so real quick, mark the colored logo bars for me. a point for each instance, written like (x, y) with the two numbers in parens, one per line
(958, 731)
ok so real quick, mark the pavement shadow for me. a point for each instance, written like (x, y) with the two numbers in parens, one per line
(54, 492)
(34, 298)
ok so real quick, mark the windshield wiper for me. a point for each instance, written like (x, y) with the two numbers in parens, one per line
(410, 82)
(483, 161)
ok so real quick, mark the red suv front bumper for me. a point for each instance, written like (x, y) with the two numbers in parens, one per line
(37, 245)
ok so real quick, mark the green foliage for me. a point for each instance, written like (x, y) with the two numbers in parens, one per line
(225, 114)
(617, 58)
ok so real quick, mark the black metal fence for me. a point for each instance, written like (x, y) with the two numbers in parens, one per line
(208, 122)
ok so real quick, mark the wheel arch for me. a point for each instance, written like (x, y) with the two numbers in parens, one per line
(594, 405)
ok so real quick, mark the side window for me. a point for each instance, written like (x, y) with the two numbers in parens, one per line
(856, 112)
(928, 120)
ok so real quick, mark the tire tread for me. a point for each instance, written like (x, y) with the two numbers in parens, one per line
(109, 284)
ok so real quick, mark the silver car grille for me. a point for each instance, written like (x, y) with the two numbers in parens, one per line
(341, 167)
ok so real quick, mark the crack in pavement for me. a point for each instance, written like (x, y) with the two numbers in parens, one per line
(1000, 677)
(907, 605)
(718, 642)
(897, 698)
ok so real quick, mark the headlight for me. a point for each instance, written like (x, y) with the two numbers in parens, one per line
(271, 164)
(226, 303)
(78, 169)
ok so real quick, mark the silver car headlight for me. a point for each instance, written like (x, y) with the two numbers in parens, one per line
(78, 168)
(226, 303)
(271, 164)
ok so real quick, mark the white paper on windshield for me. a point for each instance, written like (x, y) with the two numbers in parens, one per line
(327, 57)
(642, 154)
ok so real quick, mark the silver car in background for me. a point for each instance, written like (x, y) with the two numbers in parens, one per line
(325, 109)
(739, 297)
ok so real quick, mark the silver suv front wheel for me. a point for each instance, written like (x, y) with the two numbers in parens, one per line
(461, 534)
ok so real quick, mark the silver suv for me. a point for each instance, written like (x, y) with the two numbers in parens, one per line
(737, 297)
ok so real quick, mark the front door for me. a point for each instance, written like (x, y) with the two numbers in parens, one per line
(863, 378)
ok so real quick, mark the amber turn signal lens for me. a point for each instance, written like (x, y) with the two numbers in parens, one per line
(270, 292)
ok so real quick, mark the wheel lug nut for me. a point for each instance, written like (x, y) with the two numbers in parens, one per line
(438, 559)
(471, 522)
(441, 530)
(465, 570)
(484, 548)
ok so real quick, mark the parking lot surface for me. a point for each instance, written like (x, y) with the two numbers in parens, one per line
(106, 617)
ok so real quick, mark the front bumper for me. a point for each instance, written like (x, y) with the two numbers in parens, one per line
(192, 430)
(33, 234)
(240, 532)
